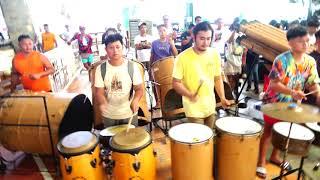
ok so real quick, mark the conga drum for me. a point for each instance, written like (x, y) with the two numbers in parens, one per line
(300, 138)
(133, 156)
(106, 134)
(191, 152)
(237, 148)
(315, 128)
(80, 156)
(171, 102)
(24, 124)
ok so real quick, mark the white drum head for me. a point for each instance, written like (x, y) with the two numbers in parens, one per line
(111, 131)
(313, 126)
(77, 139)
(190, 133)
(238, 125)
(297, 131)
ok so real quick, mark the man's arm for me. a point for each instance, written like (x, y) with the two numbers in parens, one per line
(55, 41)
(100, 96)
(173, 47)
(182, 90)
(277, 86)
(218, 84)
(138, 93)
(48, 68)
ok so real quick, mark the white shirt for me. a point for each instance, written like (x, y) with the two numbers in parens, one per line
(143, 54)
(219, 44)
(67, 35)
(117, 82)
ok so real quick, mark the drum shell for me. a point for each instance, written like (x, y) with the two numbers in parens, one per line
(317, 136)
(123, 164)
(233, 151)
(162, 74)
(81, 166)
(192, 161)
(31, 111)
(296, 146)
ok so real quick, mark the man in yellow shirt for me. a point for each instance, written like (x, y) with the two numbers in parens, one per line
(48, 39)
(196, 72)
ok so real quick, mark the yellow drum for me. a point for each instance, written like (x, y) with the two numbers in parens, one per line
(191, 152)
(237, 148)
(133, 155)
(79, 157)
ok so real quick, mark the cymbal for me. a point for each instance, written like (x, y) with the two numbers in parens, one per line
(292, 112)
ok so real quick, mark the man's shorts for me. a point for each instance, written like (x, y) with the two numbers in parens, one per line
(89, 59)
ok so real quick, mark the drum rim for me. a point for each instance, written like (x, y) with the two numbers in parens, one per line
(194, 143)
(123, 125)
(312, 128)
(162, 59)
(313, 138)
(78, 151)
(219, 130)
(126, 150)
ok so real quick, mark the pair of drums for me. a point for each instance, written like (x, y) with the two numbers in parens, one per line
(132, 155)
(237, 141)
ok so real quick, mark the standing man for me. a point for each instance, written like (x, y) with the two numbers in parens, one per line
(66, 35)
(292, 72)
(196, 72)
(163, 47)
(312, 28)
(85, 43)
(198, 19)
(142, 43)
(186, 37)
(167, 24)
(49, 41)
(30, 67)
(115, 89)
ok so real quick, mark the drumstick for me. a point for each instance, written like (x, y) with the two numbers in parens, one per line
(311, 92)
(201, 82)
(129, 123)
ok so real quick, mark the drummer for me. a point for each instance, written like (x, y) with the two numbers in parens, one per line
(196, 72)
(292, 72)
(114, 91)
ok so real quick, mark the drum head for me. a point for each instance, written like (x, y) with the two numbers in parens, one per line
(136, 138)
(77, 143)
(297, 131)
(111, 131)
(313, 126)
(238, 126)
(190, 133)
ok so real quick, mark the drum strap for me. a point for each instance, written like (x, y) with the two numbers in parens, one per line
(130, 71)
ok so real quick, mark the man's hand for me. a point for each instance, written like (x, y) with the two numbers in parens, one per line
(102, 107)
(297, 95)
(225, 103)
(193, 97)
(34, 76)
(134, 106)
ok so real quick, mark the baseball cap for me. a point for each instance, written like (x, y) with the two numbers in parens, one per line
(141, 23)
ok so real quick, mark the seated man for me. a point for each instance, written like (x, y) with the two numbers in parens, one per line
(292, 72)
(31, 67)
(115, 84)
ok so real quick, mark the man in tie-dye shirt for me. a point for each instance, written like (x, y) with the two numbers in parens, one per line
(292, 72)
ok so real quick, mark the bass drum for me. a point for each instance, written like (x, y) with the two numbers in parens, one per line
(23, 119)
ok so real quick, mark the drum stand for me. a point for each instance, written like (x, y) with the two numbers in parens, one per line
(28, 125)
(256, 60)
(154, 121)
(300, 170)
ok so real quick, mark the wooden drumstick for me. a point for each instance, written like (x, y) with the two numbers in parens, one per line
(201, 82)
(129, 123)
(312, 92)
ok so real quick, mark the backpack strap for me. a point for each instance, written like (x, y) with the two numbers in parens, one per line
(103, 70)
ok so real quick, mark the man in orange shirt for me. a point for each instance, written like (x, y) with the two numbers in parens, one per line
(48, 39)
(30, 67)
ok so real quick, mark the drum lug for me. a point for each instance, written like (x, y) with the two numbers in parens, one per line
(94, 163)
(242, 138)
(136, 166)
(68, 169)
(154, 153)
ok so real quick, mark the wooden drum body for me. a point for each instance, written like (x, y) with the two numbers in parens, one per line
(23, 119)
(80, 157)
(300, 138)
(237, 148)
(133, 155)
(191, 152)
(171, 102)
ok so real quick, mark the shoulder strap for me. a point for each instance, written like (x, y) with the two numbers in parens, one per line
(103, 70)
(130, 69)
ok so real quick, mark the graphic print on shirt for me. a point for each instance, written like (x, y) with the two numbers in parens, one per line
(116, 84)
